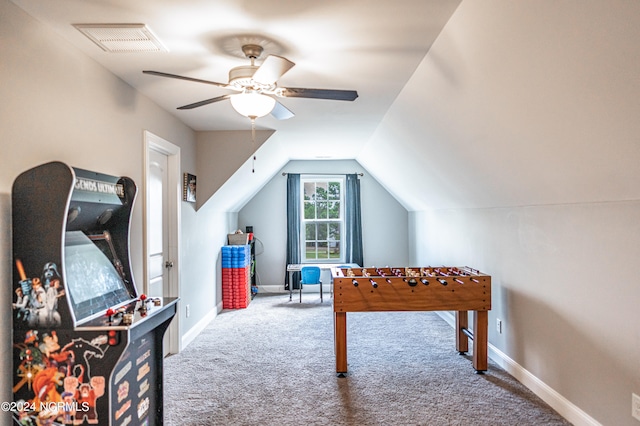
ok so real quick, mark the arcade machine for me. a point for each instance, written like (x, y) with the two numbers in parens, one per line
(87, 348)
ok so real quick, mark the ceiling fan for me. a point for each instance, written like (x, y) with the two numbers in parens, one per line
(258, 87)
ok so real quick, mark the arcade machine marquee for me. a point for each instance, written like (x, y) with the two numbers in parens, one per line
(87, 348)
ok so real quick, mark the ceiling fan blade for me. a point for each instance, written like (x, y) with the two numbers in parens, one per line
(205, 102)
(337, 95)
(272, 69)
(281, 112)
(180, 77)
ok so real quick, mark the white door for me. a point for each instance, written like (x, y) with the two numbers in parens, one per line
(162, 230)
(158, 228)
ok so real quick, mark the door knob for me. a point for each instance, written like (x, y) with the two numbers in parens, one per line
(168, 264)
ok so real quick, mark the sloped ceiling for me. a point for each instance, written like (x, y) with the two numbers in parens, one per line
(515, 103)
(518, 103)
(371, 47)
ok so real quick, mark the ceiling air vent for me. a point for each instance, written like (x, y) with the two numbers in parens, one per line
(122, 38)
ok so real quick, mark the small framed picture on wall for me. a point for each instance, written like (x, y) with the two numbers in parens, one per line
(189, 188)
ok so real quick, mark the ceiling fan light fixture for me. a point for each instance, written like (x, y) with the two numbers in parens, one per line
(252, 104)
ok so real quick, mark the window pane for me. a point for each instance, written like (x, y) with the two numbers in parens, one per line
(334, 249)
(322, 231)
(321, 190)
(309, 190)
(334, 231)
(309, 210)
(334, 210)
(322, 209)
(334, 190)
(323, 253)
(334, 240)
(310, 231)
(310, 251)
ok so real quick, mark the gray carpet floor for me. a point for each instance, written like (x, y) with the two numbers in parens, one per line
(273, 364)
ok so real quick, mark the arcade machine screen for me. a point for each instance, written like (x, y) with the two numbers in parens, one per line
(92, 279)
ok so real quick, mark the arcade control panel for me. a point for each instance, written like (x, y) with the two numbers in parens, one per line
(128, 315)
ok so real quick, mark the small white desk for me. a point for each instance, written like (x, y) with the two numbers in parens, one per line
(297, 267)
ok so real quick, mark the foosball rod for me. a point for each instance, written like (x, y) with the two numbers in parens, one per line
(373, 283)
(444, 274)
(468, 332)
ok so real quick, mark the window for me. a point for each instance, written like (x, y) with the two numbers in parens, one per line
(322, 219)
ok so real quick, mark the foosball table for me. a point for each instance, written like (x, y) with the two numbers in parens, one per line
(458, 289)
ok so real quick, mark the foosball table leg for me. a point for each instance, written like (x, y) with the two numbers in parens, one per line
(341, 343)
(462, 340)
(480, 340)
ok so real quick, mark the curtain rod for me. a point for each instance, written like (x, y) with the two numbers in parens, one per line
(321, 174)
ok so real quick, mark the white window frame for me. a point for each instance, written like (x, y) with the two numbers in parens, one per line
(303, 222)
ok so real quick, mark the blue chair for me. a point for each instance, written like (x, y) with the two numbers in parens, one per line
(310, 275)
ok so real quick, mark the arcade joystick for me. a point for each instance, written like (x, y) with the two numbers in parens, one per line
(146, 299)
(143, 305)
(110, 313)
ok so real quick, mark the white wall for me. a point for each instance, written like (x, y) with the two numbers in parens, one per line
(57, 104)
(221, 154)
(563, 286)
(524, 118)
(203, 234)
(384, 221)
(518, 103)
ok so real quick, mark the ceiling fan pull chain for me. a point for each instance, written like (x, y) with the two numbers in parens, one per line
(253, 143)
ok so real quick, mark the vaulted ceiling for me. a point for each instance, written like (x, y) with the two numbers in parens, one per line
(461, 103)
(352, 45)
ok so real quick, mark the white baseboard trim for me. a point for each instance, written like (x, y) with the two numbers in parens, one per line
(193, 332)
(558, 402)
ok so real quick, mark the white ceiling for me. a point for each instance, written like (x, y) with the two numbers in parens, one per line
(462, 104)
(335, 44)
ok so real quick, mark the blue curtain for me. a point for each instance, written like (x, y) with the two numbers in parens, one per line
(293, 228)
(353, 221)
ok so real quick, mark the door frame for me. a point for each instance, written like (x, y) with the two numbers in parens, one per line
(174, 183)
